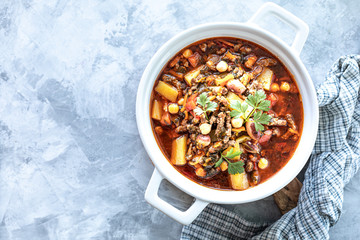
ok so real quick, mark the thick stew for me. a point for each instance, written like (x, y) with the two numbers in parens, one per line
(226, 113)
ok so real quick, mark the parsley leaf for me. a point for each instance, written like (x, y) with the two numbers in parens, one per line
(202, 100)
(239, 109)
(264, 105)
(218, 163)
(236, 167)
(233, 167)
(257, 101)
(259, 119)
(198, 111)
(211, 106)
(259, 127)
(206, 105)
(232, 154)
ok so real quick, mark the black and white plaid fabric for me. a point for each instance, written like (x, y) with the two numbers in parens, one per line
(334, 161)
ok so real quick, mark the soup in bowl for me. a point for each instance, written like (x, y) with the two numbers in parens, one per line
(226, 113)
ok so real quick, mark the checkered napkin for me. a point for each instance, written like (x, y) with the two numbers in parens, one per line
(334, 161)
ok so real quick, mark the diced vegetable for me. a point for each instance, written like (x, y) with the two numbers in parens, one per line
(178, 75)
(224, 166)
(222, 81)
(156, 111)
(265, 78)
(250, 60)
(191, 102)
(178, 151)
(174, 61)
(237, 130)
(236, 86)
(165, 119)
(243, 138)
(232, 96)
(167, 91)
(272, 97)
(181, 101)
(194, 59)
(245, 79)
(230, 56)
(200, 172)
(192, 74)
(239, 181)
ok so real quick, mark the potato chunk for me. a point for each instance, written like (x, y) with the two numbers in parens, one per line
(239, 181)
(178, 151)
(156, 111)
(193, 74)
(167, 91)
(265, 78)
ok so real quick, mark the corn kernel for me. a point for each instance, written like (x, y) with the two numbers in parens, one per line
(222, 66)
(205, 128)
(173, 108)
(285, 86)
(274, 87)
(237, 122)
(187, 53)
(263, 163)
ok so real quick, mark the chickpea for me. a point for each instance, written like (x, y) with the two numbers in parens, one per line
(263, 163)
(274, 87)
(285, 86)
(222, 66)
(187, 53)
(237, 122)
(173, 108)
(205, 128)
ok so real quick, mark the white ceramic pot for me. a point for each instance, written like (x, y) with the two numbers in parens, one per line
(289, 55)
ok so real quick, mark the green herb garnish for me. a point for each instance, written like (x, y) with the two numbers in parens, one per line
(257, 101)
(233, 167)
(259, 119)
(240, 109)
(206, 105)
(259, 104)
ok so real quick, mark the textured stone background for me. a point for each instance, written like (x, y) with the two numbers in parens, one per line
(72, 165)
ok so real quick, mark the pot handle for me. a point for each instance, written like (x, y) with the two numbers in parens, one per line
(152, 197)
(300, 27)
